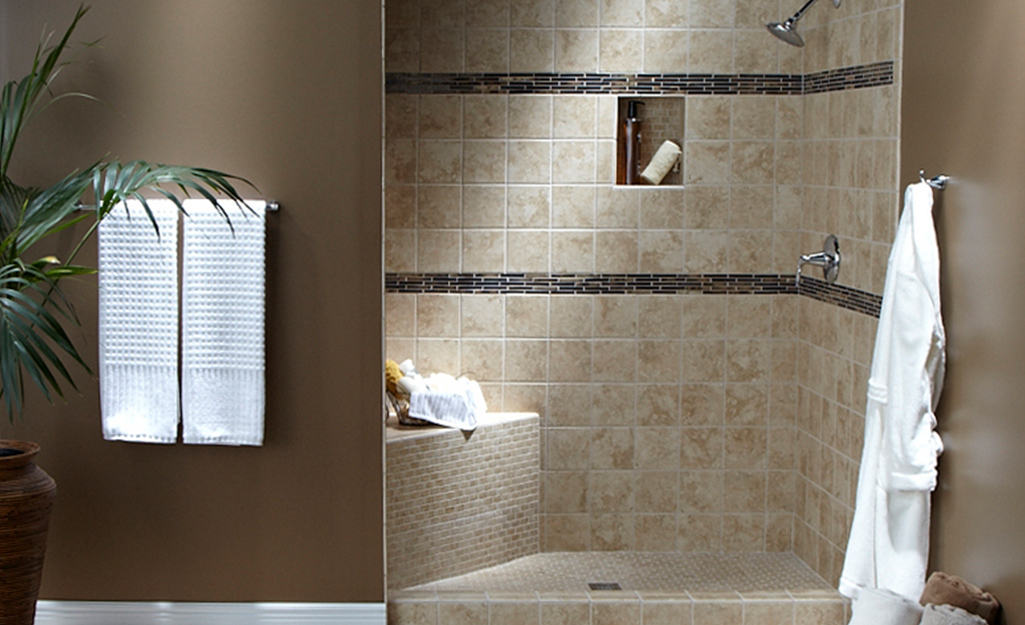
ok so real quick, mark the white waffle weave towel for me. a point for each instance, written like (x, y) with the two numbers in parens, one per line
(138, 319)
(223, 324)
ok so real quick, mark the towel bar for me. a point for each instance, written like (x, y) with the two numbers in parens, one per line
(272, 206)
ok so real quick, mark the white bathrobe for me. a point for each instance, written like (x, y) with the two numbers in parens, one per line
(889, 541)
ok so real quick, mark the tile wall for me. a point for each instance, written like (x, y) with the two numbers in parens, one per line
(851, 147)
(669, 422)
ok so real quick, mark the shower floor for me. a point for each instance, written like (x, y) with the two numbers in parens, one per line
(556, 588)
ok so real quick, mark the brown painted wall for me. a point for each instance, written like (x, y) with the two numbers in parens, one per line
(964, 114)
(288, 94)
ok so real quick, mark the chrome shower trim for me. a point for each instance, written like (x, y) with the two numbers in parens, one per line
(787, 31)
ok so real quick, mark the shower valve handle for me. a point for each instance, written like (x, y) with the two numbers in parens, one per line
(828, 259)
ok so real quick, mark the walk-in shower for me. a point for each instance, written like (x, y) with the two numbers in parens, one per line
(787, 31)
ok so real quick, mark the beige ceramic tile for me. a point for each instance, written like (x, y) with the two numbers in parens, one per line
(572, 251)
(658, 405)
(666, 51)
(526, 316)
(573, 116)
(484, 206)
(532, 13)
(400, 206)
(436, 250)
(569, 361)
(528, 250)
(612, 448)
(530, 161)
(482, 315)
(573, 161)
(618, 207)
(711, 50)
(576, 50)
(701, 448)
(620, 50)
(402, 49)
(559, 613)
(529, 206)
(612, 532)
(442, 50)
(712, 13)
(487, 50)
(661, 251)
(656, 492)
(501, 613)
(531, 50)
(438, 206)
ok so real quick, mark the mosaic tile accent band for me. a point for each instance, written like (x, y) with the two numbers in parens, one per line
(633, 284)
(855, 77)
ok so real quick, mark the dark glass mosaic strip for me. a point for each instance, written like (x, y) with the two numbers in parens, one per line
(855, 77)
(842, 296)
(589, 284)
(632, 284)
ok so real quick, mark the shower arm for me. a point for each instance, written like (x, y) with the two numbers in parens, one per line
(807, 5)
(796, 16)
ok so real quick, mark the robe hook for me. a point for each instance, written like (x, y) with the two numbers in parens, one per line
(936, 182)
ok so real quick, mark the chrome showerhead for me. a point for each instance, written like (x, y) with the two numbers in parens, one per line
(787, 31)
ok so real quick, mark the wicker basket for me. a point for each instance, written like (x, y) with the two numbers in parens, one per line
(401, 408)
(26, 496)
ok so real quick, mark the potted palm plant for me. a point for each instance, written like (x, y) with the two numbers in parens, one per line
(36, 350)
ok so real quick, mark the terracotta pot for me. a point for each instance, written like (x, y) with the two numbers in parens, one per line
(26, 496)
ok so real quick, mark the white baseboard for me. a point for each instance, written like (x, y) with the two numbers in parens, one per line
(171, 613)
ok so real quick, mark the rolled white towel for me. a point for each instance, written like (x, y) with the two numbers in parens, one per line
(876, 606)
(949, 615)
(665, 157)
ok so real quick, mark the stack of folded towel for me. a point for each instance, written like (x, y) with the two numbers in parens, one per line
(950, 600)
(438, 399)
(947, 600)
(949, 615)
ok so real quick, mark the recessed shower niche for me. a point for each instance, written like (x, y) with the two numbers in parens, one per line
(649, 141)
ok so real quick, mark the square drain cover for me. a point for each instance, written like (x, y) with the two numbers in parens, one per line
(604, 586)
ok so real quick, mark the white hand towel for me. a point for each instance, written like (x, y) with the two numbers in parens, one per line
(875, 606)
(138, 323)
(949, 615)
(223, 325)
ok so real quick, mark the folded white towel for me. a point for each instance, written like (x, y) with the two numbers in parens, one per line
(876, 606)
(138, 323)
(451, 402)
(223, 392)
(949, 615)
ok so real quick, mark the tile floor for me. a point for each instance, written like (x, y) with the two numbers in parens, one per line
(657, 589)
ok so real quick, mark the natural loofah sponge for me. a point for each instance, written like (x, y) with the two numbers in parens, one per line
(392, 375)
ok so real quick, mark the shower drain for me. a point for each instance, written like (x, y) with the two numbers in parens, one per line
(604, 586)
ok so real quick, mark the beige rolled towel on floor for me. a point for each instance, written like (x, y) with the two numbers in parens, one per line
(666, 156)
(949, 615)
(952, 590)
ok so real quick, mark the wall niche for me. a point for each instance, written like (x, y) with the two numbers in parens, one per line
(649, 141)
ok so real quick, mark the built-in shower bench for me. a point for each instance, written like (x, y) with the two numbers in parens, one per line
(460, 501)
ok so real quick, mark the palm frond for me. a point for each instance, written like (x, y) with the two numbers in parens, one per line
(31, 336)
(20, 100)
